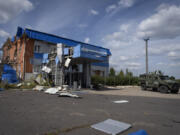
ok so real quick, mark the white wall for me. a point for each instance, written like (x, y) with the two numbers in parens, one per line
(44, 47)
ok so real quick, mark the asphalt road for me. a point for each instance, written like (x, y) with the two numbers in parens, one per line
(37, 113)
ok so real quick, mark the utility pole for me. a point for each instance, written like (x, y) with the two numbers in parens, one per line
(146, 40)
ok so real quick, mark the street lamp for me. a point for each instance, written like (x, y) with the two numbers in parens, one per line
(146, 40)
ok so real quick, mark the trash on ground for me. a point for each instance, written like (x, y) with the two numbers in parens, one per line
(19, 84)
(67, 94)
(140, 132)
(52, 90)
(1, 89)
(39, 88)
(110, 126)
(120, 101)
(40, 80)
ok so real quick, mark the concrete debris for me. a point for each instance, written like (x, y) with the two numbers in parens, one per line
(121, 101)
(65, 87)
(67, 94)
(52, 90)
(46, 69)
(39, 88)
(59, 88)
(112, 127)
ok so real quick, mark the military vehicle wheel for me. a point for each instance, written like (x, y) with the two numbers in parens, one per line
(143, 87)
(174, 91)
(175, 88)
(163, 89)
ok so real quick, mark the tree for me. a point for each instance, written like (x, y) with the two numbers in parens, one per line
(128, 73)
(160, 72)
(121, 73)
(112, 72)
(172, 78)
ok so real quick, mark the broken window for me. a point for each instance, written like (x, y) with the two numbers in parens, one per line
(37, 48)
(36, 69)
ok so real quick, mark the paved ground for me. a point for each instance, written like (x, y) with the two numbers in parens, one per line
(36, 113)
(135, 91)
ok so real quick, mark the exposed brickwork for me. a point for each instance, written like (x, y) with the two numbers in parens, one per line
(18, 54)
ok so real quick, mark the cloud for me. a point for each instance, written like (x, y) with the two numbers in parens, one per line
(120, 38)
(94, 12)
(126, 3)
(86, 40)
(164, 49)
(123, 58)
(121, 4)
(174, 64)
(124, 27)
(4, 34)
(111, 8)
(174, 55)
(121, 42)
(160, 64)
(82, 25)
(11, 8)
(164, 24)
(133, 65)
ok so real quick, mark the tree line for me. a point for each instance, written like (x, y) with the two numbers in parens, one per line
(113, 79)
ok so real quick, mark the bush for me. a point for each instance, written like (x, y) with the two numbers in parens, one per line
(95, 80)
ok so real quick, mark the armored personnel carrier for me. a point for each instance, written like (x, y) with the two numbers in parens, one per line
(157, 82)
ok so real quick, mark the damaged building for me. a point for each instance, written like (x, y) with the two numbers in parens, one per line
(29, 50)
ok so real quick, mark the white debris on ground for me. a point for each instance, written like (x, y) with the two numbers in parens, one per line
(121, 101)
(19, 85)
(51, 90)
(39, 88)
(112, 127)
(61, 91)
(67, 94)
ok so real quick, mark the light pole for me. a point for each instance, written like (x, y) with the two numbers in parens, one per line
(146, 40)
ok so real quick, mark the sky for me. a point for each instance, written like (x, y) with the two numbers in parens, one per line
(120, 25)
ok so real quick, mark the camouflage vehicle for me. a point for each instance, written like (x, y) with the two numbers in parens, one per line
(159, 83)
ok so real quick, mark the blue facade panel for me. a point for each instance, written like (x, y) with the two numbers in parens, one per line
(9, 74)
(77, 51)
(89, 53)
(66, 51)
(38, 55)
(101, 64)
